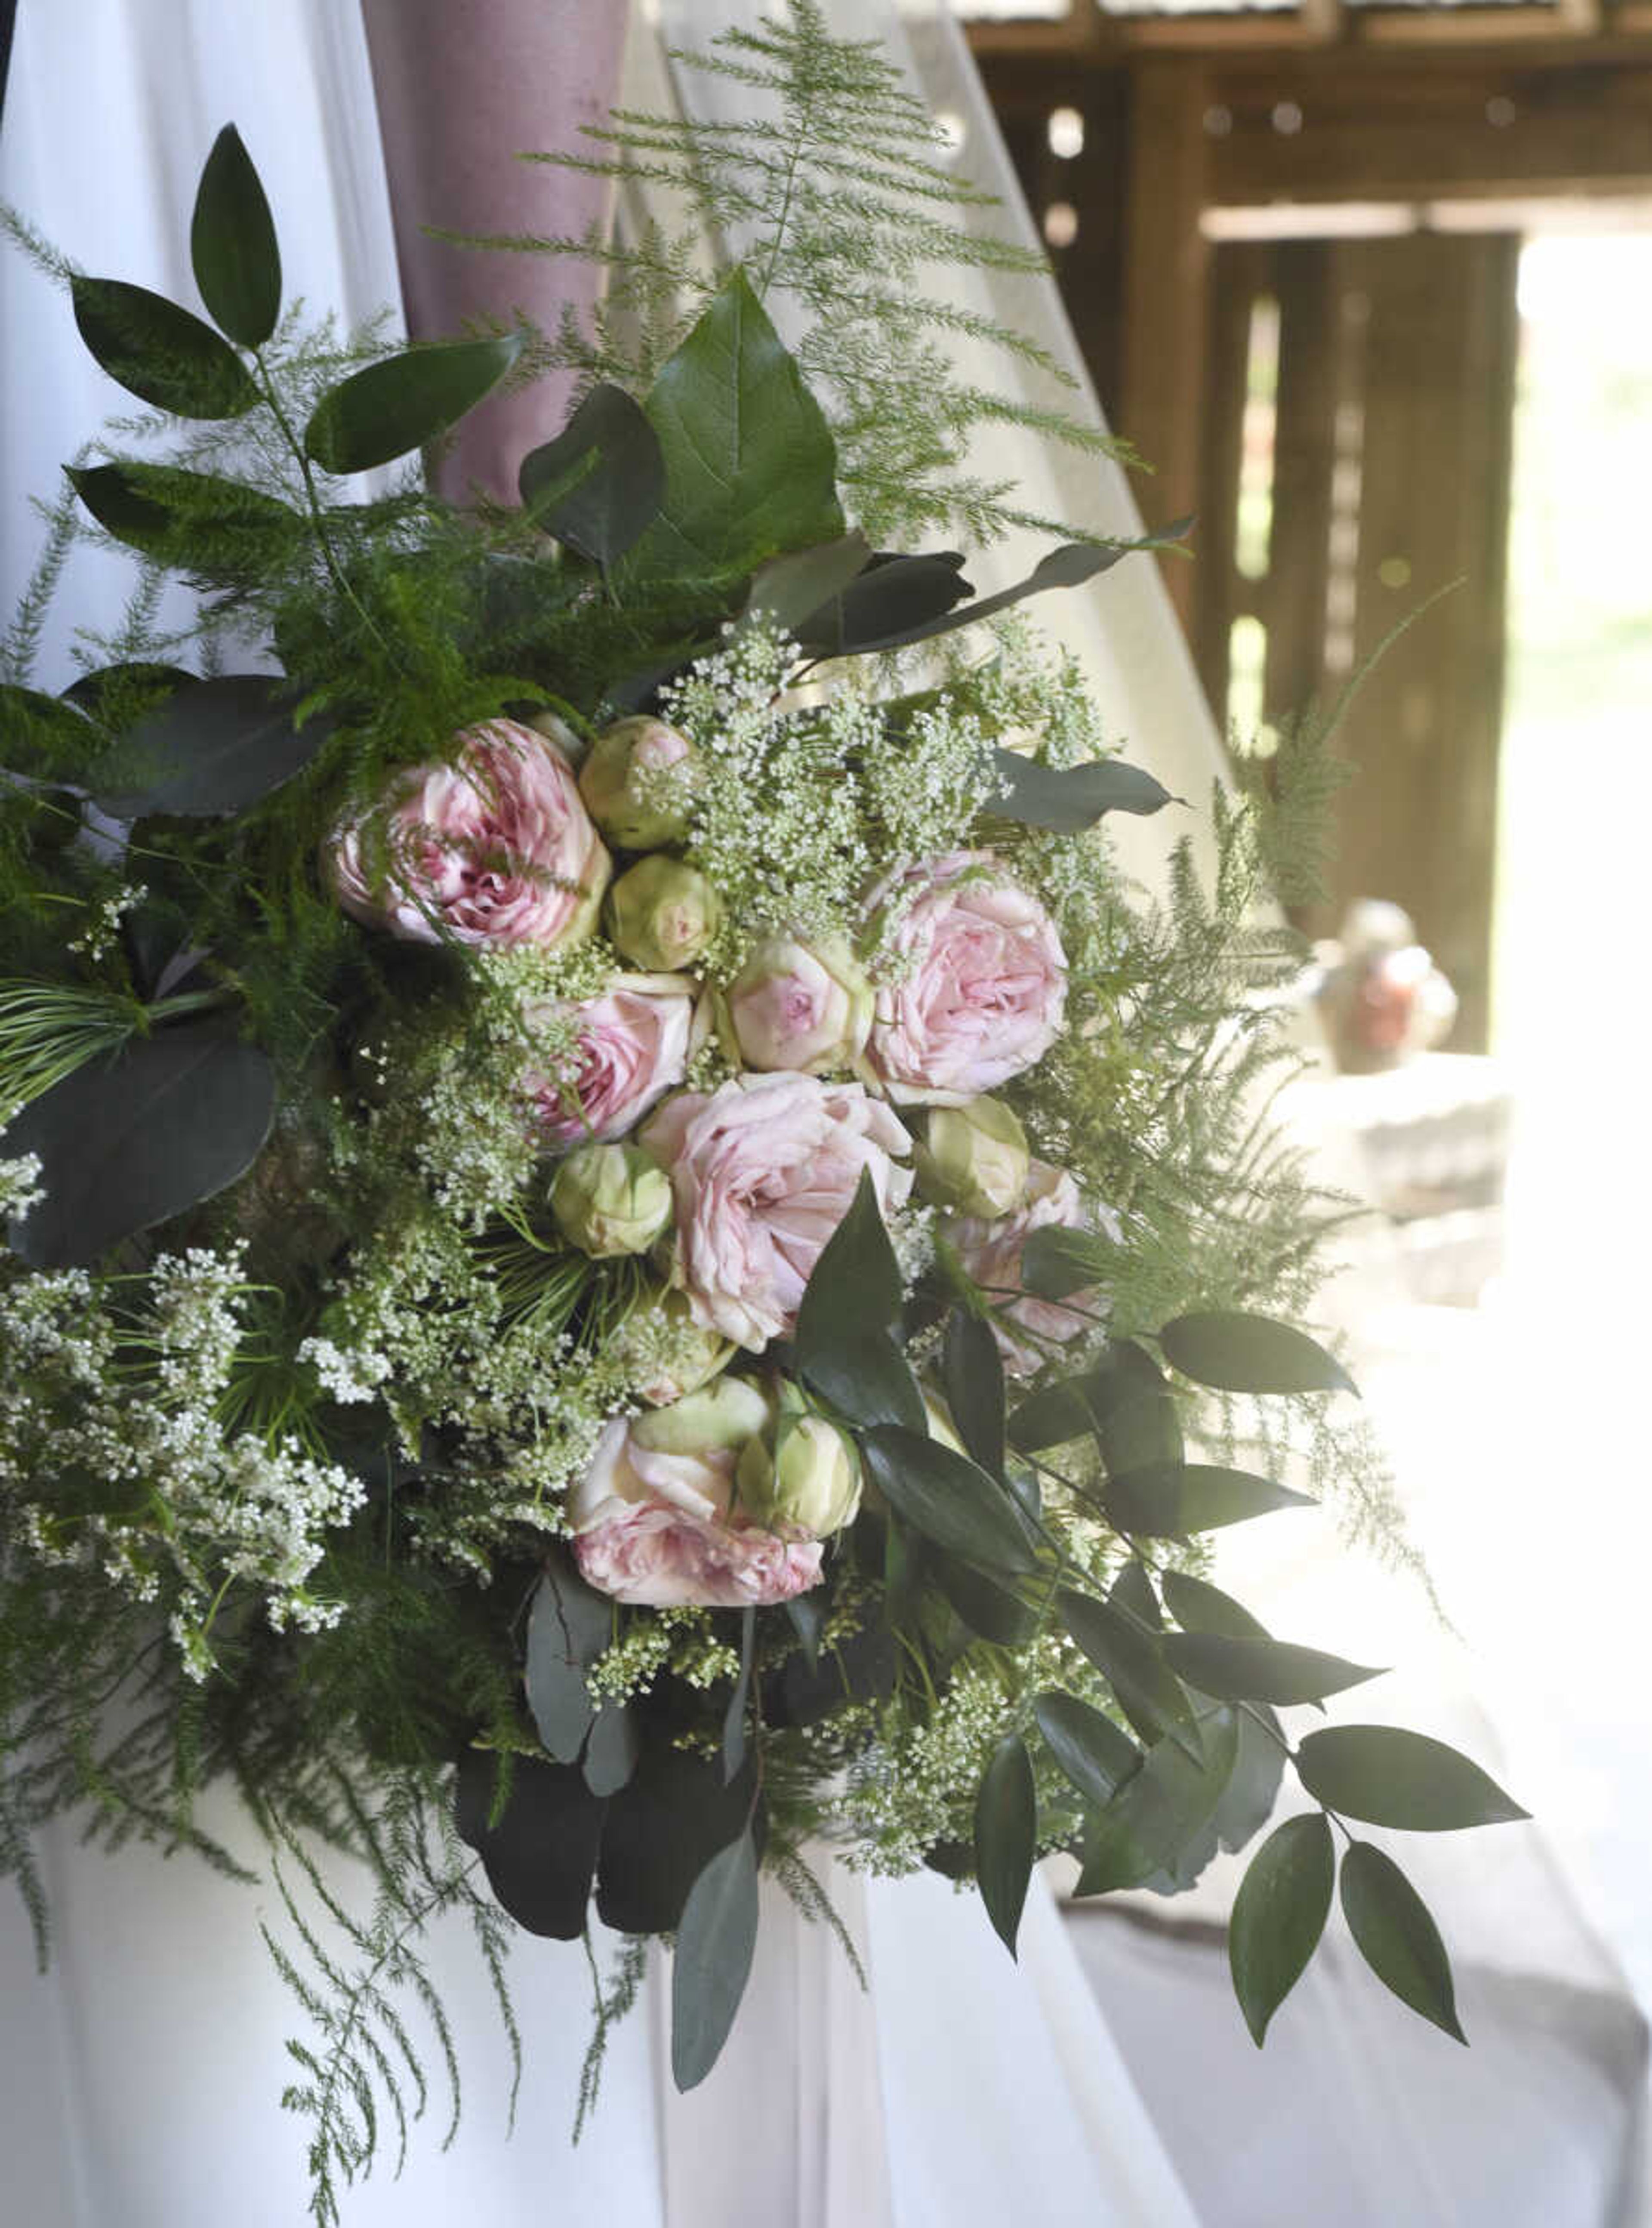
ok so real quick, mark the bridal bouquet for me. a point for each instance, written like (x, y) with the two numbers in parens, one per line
(628, 1249)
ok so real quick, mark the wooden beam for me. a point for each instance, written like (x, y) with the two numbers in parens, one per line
(1566, 31)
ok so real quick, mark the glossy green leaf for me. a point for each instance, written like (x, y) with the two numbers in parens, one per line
(1006, 1834)
(972, 1376)
(1198, 1606)
(538, 1856)
(842, 1347)
(996, 1616)
(1252, 1670)
(1133, 1664)
(890, 596)
(1173, 1499)
(161, 353)
(865, 1376)
(1251, 1354)
(740, 1697)
(1160, 1813)
(195, 522)
(599, 485)
(1389, 1776)
(568, 1627)
(393, 408)
(948, 1498)
(713, 1962)
(792, 587)
(1279, 1915)
(131, 1142)
(1253, 1789)
(1134, 1416)
(216, 746)
(1397, 1936)
(1096, 1754)
(1067, 798)
(1132, 1591)
(233, 245)
(1051, 1417)
(750, 466)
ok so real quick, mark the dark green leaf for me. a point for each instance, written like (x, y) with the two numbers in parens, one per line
(163, 354)
(612, 1748)
(1199, 1607)
(1253, 1789)
(1051, 1418)
(790, 587)
(195, 522)
(893, 594)
(1133, 1665)
(215, 747)
(1136, 1421)
(906, 1559)
(1279, 1914)
(568, 1627)
(1260, 1670)
(233, 245)
(843, 1348)
(1132, 1591)
(860, 1668)
(734, 1715)
(1388, 1776)
(972, 1376)
(598, 484)
(1068, 567)
(663, 1828)
(1006, 1834)
(131, 1142)
(1159, 1813)
(380, 413)
(863, 1374)
(948, 1498)
(1056, 1263)
(750, 467)
(1067, 798)
(713, 1963)
(1252, 1353)
(1173, 1499)
(1096, 1756)
(807, 1615)
(1396, 1937)
(540, 1856)
(997, 1616)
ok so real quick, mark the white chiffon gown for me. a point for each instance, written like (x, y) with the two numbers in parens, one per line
(141, 2072)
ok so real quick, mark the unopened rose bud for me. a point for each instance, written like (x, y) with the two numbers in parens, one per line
(662, 914)
(638, 784)
(610, 1200)
(973, 1159)
(809, 1479)
(723, 1416)
(801, 1006)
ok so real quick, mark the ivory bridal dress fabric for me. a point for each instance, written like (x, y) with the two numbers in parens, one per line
(141, 2072)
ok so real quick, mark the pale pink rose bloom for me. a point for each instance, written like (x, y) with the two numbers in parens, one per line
(496, 849)
(635, 1042)
(983, 987)
(764, 1170)
(656, 1531)
(991, 1253)
(801, 1006)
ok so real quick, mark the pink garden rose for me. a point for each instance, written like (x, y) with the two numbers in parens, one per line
(991, 1253)
(764, 1170)
(495, 849)
(635, 1042)
(658, 1529)
(800, 1005)
(983, 986)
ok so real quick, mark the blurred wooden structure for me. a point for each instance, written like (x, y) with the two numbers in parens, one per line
(1288, 238)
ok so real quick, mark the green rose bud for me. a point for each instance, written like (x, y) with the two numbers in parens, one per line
(810, 1478)
(611, 1199)
(662, 914)
(639, 782)
(973, 1159)
(724, 1415)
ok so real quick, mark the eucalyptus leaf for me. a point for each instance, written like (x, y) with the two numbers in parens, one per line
(161, 353)
(540, 1856)
(662, 1829)
(890, 595)
(1389, 1776)
(598, 484)
(1171, 1500)
(1237, 1352)
(792, 588)
(1249, 1670)
(1397, 1936)
(129, 1141)
(1279, 1915)
(948, 1498)
(734, 1715)
(568, 1627)
(972, 1376)
(750, 465)
(1068, 799)
(1096, 1754)
(393, 408)
(713, 1963)
(215, 747)
(1198, 1606)
(806, 1613)
(1006, 1836)
(612, 1748)
(233, 245)
(1133, 1664)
